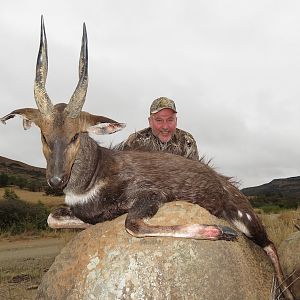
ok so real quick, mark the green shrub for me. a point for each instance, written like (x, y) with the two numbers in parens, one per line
(267, 209)
(32, 184)
(18, 216)
(49, 191)
(3, 180)
(274, 203)
(9, 194)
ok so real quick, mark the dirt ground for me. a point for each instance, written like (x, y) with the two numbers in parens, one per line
(23, 263)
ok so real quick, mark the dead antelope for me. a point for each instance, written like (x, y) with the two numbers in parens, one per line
(101, 184)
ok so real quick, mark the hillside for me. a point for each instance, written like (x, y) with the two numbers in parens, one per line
(20, 169)
(284, 187)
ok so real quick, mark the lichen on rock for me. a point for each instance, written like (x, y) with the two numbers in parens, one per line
(105, 262)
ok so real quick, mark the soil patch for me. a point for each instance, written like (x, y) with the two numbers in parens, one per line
(23, 263)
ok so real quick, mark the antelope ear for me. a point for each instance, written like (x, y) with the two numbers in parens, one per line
(98, 124)
(105, 128)
(29, 115)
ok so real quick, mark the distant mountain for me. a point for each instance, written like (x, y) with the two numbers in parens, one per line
(285, 187)
(17, 168)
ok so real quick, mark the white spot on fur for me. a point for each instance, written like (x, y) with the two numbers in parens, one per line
(249, 217)
(242, 227)
(240, 214)
(224, 187)
(73, 199)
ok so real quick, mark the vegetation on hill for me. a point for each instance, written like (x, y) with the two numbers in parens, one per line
(22, 182)
(28, 184)
(284, 187)
(274, 203)
(16, 215)
(15, 173)
(277, 195)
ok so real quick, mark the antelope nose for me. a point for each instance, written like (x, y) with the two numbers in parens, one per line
(55, 181)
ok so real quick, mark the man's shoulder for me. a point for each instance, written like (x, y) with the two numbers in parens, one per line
(139, 140)
(184, 136)
(188, 144)
(144, 133)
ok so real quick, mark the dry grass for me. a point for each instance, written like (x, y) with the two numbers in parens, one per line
(65, 234)
(280, 226)
(35, 197)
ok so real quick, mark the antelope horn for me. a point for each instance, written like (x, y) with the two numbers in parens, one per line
(75, 105)
(41, 97)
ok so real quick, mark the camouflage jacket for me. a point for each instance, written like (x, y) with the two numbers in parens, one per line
(182, 143)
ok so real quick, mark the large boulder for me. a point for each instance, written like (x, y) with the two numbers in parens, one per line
(289, 253)
(105, 262)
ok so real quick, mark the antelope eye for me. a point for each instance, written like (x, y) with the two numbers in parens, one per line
(74, 138)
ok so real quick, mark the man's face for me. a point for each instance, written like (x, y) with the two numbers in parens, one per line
(163, 124)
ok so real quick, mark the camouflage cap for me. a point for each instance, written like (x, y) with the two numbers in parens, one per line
(161, 103)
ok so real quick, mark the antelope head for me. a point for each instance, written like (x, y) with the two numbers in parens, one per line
(61, 124)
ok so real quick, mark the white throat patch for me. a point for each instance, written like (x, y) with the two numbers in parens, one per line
(72, 199)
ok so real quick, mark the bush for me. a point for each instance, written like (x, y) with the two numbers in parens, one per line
(33, 185)
(18, 216)
(274, 204)
(268, 209)
(9, 194)
(291, 203)
(3, 180)
(49, 191)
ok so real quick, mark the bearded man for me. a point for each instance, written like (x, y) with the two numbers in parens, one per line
(162, 133)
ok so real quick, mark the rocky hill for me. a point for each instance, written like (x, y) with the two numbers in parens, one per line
(284, 187)
(17, 168)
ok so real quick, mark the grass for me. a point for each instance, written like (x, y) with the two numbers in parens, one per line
(65, 234)
(24, 214)
(35, 197)
(31, 270)
(280, 226)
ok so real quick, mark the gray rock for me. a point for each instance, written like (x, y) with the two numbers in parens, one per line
(105, 262)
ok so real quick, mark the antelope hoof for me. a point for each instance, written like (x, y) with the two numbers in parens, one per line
(227, 233)
(62, 217)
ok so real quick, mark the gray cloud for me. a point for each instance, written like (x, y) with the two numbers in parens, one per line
(232, 67)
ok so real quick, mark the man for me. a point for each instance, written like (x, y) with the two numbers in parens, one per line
(162, 133)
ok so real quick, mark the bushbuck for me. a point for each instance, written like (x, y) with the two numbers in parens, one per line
(101, 184)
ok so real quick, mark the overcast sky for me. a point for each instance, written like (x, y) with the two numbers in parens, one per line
(232, 67)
